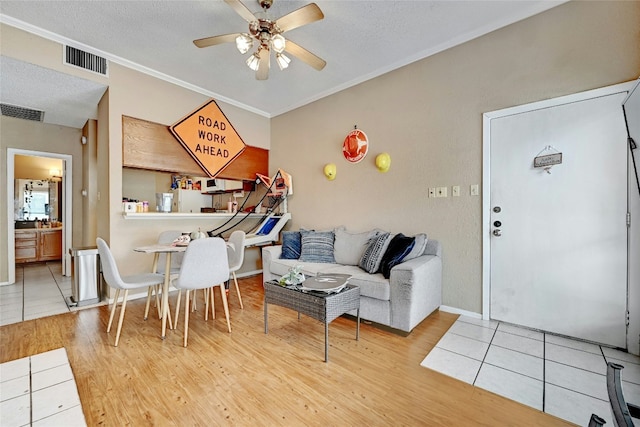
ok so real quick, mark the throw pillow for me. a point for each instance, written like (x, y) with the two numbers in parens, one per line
(372, 256)
(316, 246)
(418, 247)
(349, 247)
(397, 250)
(291, 245)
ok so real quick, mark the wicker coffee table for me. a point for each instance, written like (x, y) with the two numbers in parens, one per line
(319, 306)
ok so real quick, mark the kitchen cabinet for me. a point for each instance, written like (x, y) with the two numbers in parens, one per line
(38, 245)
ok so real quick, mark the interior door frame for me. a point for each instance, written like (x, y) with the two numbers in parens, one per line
(487, 119)
(67, 217)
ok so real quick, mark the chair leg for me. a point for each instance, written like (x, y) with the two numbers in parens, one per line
(124, 306)
(158, 305)
(206, 304)
(146, 307)
(113, 310)
(186, 318)
(213, 306)
(178, 308)
(225, 305)
(235, 280)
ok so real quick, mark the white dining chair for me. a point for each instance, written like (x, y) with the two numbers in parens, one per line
(112, 277)
(204, 266)
(165, 237)
(235, 254)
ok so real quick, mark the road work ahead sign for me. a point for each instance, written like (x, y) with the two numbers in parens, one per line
(209, 137)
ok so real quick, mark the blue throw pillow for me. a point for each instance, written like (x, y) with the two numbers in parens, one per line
(399, 247)
(317, 246)
(291, 245)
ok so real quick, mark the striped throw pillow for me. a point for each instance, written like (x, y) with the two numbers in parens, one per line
(317, 246)
(372, 257)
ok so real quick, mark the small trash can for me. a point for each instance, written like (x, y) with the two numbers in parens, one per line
(85, 288)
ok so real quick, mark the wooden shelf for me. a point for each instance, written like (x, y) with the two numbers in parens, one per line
(184, 215)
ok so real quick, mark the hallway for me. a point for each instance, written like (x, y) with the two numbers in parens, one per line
(40, 290)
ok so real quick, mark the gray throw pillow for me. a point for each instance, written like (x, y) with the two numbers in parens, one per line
(349, 247)
(418, 247)
(316, 246)
(372, 257)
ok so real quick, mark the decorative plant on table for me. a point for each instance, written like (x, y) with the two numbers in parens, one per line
(293, 277)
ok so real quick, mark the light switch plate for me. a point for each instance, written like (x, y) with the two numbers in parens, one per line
(441, 192)
(455, 191)
(475, 189)
(432, 192)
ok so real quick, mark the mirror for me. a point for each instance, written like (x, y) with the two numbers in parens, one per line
(35, 199)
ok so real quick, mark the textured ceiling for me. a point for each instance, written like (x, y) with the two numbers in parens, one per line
(358, 39)
(66, 100)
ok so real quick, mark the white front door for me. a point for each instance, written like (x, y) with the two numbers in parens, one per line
(558, 240)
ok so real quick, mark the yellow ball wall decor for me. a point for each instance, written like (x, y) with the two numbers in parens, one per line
(383, 162)
(330, 171)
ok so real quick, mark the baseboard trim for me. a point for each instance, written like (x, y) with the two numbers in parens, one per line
(455, 310)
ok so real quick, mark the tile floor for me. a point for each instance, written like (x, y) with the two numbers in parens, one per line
(40, 290)
(560, 376)
(39, 390)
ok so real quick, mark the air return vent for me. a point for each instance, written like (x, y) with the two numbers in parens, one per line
(86, 60)
(21, 112)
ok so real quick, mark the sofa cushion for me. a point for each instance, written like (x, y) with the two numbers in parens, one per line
(372, 256)
(399, 246)
(348, 247)
(291, 245)
(418, 248)
(316, 246)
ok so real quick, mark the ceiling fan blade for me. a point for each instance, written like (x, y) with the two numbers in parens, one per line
(304, 55)
(299, 17)
(262, 73)
(241, 10)
(212, 41)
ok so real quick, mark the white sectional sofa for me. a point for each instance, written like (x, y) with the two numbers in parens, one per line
(412, 291)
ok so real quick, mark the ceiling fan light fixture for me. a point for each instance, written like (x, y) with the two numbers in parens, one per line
(282, 60)
(244, 42)
(278, 43)
(253, 61)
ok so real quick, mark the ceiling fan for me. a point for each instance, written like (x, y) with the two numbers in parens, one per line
(268, 33)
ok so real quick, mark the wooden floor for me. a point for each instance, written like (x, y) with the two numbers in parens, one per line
(249, 378)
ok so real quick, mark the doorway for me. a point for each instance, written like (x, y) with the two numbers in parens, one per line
(555, 237)
(66, 206)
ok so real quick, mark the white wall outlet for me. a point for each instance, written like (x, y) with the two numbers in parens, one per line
(475, 190)
(441, 192)
(432, 192)
(455, 191)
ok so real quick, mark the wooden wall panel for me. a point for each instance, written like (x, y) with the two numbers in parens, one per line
(148, 145)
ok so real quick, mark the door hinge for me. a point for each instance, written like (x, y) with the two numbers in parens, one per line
(628, 219)
(627, 318)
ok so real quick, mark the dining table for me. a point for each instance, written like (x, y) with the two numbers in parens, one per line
(168, 249)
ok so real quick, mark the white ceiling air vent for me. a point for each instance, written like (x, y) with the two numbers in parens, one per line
(22, 112)
(88, 61)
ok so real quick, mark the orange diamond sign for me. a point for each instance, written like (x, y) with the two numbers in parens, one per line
(209, 137)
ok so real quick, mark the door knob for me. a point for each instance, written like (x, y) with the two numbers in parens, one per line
(497, 232)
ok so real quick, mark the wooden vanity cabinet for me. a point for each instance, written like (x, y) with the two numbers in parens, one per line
(38, 245)
(50, 245)
(26, 246)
